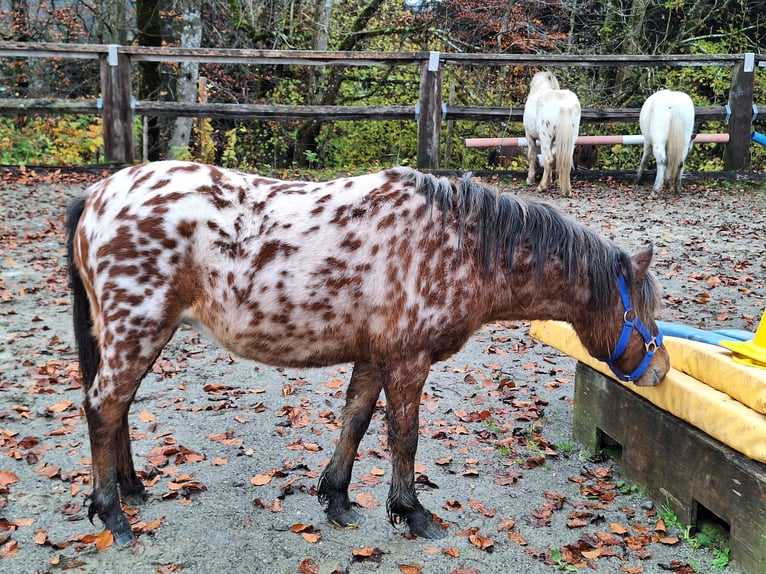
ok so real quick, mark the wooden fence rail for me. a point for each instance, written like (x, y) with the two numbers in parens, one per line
(117, 105)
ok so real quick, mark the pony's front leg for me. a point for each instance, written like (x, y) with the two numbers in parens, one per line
(104, 425)
(362, 395)
(403, 385)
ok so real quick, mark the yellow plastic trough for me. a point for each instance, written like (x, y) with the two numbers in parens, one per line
(704, 387)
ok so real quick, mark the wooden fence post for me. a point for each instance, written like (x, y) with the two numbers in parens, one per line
(429, 114)
(117, 113)
(736, 154)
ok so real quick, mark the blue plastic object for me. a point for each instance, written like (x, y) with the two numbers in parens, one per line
(710, 337)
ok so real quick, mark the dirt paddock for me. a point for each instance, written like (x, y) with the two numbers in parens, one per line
(231, 450)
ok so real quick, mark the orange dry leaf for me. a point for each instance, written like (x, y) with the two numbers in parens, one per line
(410, 568)
(517, 538)
(7, 477)
(311, 537)
(308, 566)
(9, 549)
(104, 540)
(669, 540)
(481, 542)
(261, 479)
(59, 407)
(41, 536)
(334, 384)
(660, 526)
(618, 528)
(146, 417)
(591, 554)
(452, 551)
(363, 552)
(366, 500)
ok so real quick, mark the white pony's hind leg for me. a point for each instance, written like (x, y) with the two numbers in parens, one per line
(531, 159)
(662, 164)
(547, 168)
(642, 165)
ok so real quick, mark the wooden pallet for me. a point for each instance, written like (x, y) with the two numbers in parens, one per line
(676, 463)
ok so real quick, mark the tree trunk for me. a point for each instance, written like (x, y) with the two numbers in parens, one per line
(149, 33)
(110, 26)
(190, 35)
(327, 94)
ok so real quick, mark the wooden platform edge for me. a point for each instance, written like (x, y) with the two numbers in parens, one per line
(675, 462)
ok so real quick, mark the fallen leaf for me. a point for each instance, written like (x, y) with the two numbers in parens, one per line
(618, 528)
(308, 566)
(104, 540)
(146, 417)
(9, 549)
(367, 500)
(7, 478)
(261, 479)
(669, 540)
(452, 551)
(481, 542)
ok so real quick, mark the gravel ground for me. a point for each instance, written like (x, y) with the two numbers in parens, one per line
(232, 449)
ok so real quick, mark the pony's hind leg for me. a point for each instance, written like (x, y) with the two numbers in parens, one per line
(124, 363)
(644, 159)
(362, 395)
(545, 180)
(105, 415)
(531, 159)
(403, 385)
(661, 158)
(131, 487)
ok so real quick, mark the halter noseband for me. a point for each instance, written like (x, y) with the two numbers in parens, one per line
(651, 343)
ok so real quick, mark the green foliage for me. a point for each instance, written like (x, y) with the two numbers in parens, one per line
(710, 536)
(560, 563)
(68, 140)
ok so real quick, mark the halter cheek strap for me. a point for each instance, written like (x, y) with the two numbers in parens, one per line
(651, 343)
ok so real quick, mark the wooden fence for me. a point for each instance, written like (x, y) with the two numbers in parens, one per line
(117, 105)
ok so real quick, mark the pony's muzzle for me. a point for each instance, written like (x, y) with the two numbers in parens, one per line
(657, 369)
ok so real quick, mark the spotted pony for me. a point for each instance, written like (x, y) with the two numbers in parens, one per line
(551, 125)
(392, 271)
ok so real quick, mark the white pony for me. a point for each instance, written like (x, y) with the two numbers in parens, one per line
(667, 123)
(551, 123)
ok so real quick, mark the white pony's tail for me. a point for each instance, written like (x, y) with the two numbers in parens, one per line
(678, 143)
(565, 142)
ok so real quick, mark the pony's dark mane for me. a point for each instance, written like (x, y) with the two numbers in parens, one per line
(503, 223)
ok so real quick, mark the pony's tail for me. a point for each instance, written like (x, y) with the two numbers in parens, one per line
(565, 143)
(87, 347)
(676, 146)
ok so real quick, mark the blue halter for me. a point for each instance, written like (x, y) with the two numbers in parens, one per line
(651, 343)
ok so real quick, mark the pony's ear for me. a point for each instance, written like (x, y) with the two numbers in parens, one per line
(641, 261)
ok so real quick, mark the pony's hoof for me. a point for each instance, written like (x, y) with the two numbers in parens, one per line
(430, 531)
(348, 519)
(122, 538)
